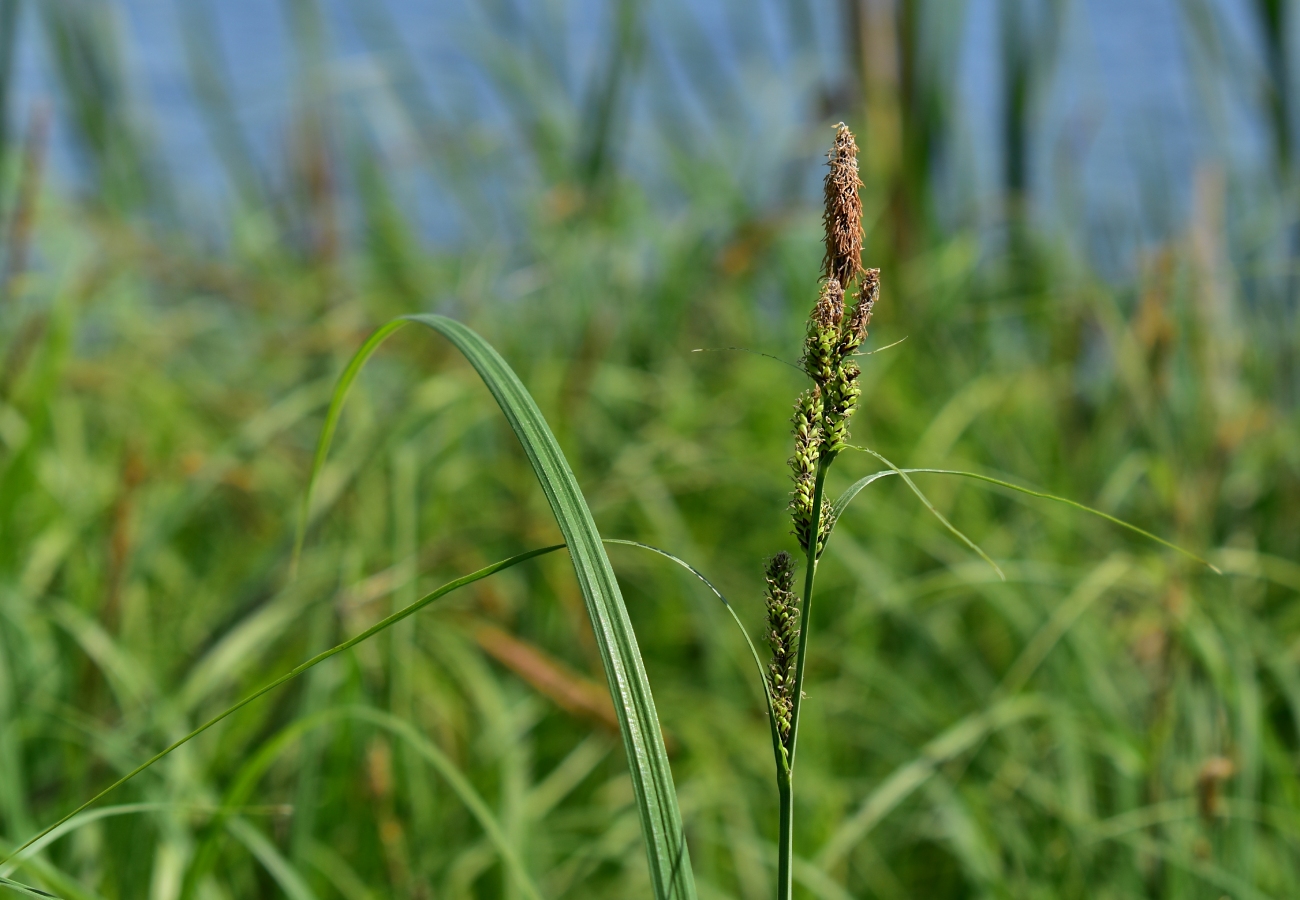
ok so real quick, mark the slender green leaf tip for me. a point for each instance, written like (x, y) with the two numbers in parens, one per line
(838, 507)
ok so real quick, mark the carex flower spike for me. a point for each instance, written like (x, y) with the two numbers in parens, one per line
(783, 636)
(843, 212)
(821, 430)
(807, 421)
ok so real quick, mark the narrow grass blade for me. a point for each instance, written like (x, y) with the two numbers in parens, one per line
(938, 515)
(76, 822)
(430, 753)
(273, 749)
(293, 673)
(285, 873)
(758, 661)
(652, 780)
(331, 425)
(843, 500)
(861, 483)
(25, 889)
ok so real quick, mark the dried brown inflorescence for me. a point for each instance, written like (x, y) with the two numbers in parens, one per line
(783, 636)
(843, 214)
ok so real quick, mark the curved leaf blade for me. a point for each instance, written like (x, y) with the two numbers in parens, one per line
(25, 890)
(758, 662)
(934, 510)
(652, 779)
(838, 507)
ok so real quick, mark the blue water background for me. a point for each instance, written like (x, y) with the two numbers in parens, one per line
(1123, 118)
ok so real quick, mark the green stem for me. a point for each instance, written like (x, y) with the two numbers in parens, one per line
(809, 576)
(785, 779)
(785, 846)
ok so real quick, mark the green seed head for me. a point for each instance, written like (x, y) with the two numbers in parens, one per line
(841, 400)
(807, 421)
(821, 344)
(783, 637)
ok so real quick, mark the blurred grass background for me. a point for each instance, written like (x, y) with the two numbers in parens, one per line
(1111, 722)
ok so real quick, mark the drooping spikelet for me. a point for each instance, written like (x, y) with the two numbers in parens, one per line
(819, 349)
(783, 636)
(807, 421)
(843, 215)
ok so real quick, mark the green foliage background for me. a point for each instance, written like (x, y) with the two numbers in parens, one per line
(1110, 722)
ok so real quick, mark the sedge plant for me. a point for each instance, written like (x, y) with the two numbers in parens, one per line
(835, 332)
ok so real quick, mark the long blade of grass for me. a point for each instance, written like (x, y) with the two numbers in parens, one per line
(78, 821)
(758, 661)
(291, 674)
(938, 515)
(855, 488)
(652, 780)
(430, 753)
(272, 750)
(283, 872)
(331, 425)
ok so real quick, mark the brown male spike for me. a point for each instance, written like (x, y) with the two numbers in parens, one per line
(843, 215)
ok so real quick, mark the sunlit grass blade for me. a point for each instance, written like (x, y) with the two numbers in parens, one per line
(396, 617)
(652, 780)
(854, 489)
(758, 661)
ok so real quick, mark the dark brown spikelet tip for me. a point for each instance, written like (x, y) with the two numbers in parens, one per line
(843, 215)
(860, 318)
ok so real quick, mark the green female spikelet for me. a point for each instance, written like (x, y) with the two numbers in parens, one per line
(783, 636)
(841, 400)
(807, 421)
(841, 391)
(820, 349)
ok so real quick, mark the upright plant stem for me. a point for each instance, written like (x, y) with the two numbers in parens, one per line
(785, 782)
(809, 576)
(785, 844)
